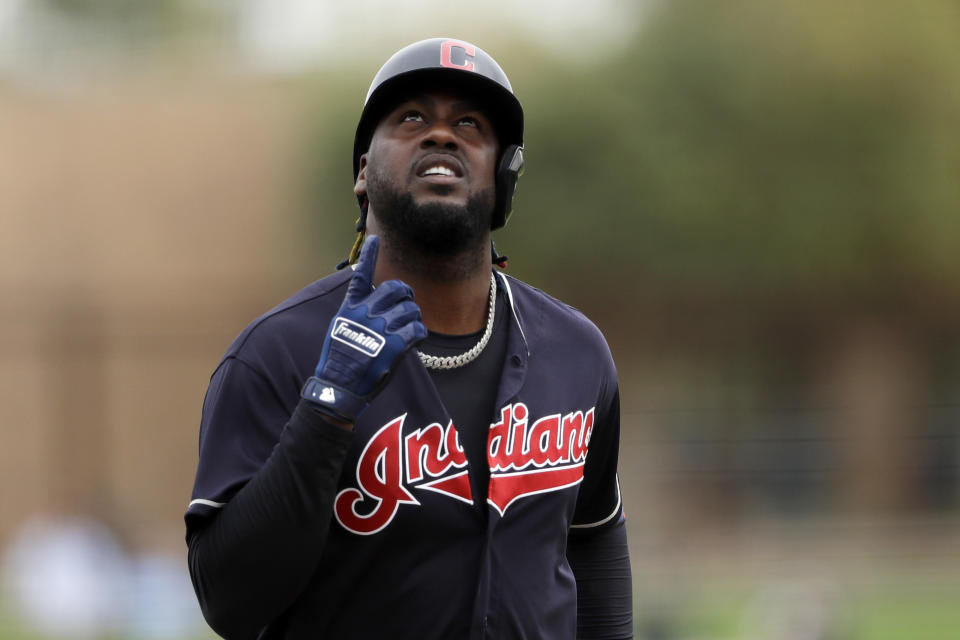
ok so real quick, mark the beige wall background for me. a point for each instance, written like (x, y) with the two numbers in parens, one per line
(142, 228)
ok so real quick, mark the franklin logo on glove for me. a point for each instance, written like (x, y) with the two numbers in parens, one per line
(372, 331)
(357, 336)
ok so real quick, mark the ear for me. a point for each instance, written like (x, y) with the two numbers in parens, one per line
(360, 186)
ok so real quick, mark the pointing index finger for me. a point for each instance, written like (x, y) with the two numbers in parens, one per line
(361, 284)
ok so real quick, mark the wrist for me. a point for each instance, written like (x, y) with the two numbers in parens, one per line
(340, 405)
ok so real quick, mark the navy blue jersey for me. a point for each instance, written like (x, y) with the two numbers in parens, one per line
(409, 549)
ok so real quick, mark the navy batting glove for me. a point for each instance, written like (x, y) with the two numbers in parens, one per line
(367, 337)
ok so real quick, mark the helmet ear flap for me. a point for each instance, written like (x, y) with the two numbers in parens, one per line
(509, 169)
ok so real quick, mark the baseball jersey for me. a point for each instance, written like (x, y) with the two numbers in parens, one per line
(409, 549)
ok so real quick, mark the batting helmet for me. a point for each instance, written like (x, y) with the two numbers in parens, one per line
(447, 63)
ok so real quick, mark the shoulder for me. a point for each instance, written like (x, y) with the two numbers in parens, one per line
(305, 313)
(548, 320)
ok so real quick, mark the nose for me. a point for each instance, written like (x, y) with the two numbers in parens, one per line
(440, 134)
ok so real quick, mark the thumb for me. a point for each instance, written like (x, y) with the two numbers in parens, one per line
(361, 284)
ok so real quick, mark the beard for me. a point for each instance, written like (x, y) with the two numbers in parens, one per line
(432, 229)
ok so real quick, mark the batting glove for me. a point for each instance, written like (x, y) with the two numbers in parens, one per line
(368, 336)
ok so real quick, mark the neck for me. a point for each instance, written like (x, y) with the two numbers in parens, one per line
(451, 291)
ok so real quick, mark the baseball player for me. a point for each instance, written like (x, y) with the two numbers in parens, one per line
(417, 446)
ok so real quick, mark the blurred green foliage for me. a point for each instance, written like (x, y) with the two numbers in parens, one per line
(133, 23)
(807, 150)
(109, 10)
(733, 611)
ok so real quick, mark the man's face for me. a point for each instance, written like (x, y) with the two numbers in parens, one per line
(429, 171)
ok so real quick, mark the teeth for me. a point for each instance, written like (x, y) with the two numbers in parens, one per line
(438, 171)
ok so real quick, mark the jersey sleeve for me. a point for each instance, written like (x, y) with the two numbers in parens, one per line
(241, 422)
(282, 513)
(597, 547)
(599, 505)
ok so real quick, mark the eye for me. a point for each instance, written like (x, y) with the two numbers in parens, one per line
(411, 116)
(469, 121)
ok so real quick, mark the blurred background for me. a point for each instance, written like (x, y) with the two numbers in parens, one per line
(757, 202)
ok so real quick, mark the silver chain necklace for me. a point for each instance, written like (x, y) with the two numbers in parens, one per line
(452, 362)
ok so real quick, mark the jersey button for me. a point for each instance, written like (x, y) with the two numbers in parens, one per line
(516, 360)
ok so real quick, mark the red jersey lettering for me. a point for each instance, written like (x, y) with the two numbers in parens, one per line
(379, 477)
(524, 460)
(433, 450)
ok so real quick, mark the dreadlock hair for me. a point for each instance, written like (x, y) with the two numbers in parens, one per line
(361, 234)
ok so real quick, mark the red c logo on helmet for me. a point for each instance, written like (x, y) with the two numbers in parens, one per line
(447, 47)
